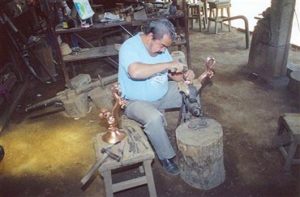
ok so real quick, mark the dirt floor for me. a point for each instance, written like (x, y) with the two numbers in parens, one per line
(48, 156)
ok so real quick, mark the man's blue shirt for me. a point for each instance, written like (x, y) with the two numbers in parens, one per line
(150, 89)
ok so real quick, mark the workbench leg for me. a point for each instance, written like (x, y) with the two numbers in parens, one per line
(108, 183)
(149, 177)
(216, 21)
(229, 22)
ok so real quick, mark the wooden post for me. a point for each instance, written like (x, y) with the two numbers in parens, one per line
(201, 153)
(270, 41)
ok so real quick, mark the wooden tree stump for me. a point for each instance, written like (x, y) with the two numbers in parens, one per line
(294, 84)
(201, 154)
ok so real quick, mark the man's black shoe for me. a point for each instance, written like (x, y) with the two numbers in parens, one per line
(170, 166)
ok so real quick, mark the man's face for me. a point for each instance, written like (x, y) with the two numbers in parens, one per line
(158, 46)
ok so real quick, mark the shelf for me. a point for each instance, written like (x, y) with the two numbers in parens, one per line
(179, 42)
(109, 50)
(96, 26)
(92, 53)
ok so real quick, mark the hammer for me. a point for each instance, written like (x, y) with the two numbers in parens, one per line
(106, 153)
(111, 154)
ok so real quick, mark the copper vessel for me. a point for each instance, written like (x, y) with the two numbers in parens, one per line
(114, 134)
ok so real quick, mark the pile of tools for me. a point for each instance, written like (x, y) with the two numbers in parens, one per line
(76, 98)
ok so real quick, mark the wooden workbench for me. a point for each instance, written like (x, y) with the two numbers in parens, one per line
(108, 51)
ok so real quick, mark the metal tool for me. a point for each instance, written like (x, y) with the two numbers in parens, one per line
(136, 136)
(106, 153)
(191, 105)
(94, 168)
(111, 154)
(131, 145)
(75, 89)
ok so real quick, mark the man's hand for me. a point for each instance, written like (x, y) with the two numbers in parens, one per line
(189, 75)
(177, 67)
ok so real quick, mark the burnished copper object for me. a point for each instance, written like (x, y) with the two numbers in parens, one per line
(209, 64)
(114, 134)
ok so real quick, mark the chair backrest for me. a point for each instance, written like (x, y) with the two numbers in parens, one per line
(193, 1)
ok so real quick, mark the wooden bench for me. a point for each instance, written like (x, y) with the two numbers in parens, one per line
(141, 153)
(91, 53)
(289, 123)
(105, 52)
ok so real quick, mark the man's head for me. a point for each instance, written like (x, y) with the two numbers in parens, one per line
(160, 33)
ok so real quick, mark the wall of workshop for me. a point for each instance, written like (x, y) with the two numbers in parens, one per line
(4, 55)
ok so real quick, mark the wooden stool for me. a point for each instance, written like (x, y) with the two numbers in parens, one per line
(135, 150)
(289, 123)
(214, 8)
(195, 10)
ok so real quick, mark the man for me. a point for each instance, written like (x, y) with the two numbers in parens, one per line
(145, 65)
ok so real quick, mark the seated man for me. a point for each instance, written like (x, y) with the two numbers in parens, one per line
(144, 65)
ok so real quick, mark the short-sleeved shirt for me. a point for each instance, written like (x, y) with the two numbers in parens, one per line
(150, 89)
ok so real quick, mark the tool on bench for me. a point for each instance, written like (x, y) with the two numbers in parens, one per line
(136, 136)
(132, 145)
(106, 153)
(111, 154)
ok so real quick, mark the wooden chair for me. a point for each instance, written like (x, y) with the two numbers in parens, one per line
(216, 6)
(197, 10)
(289, 125)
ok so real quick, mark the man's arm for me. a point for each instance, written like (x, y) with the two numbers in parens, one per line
(139, 70)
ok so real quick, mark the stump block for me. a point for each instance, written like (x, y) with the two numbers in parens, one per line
(201, 154)
(294, 84)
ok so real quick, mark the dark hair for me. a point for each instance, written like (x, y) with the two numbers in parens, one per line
(159, 28)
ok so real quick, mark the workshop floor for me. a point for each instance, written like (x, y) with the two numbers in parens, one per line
(47, 156)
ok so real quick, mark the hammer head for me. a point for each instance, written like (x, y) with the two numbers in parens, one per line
(111, 154)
